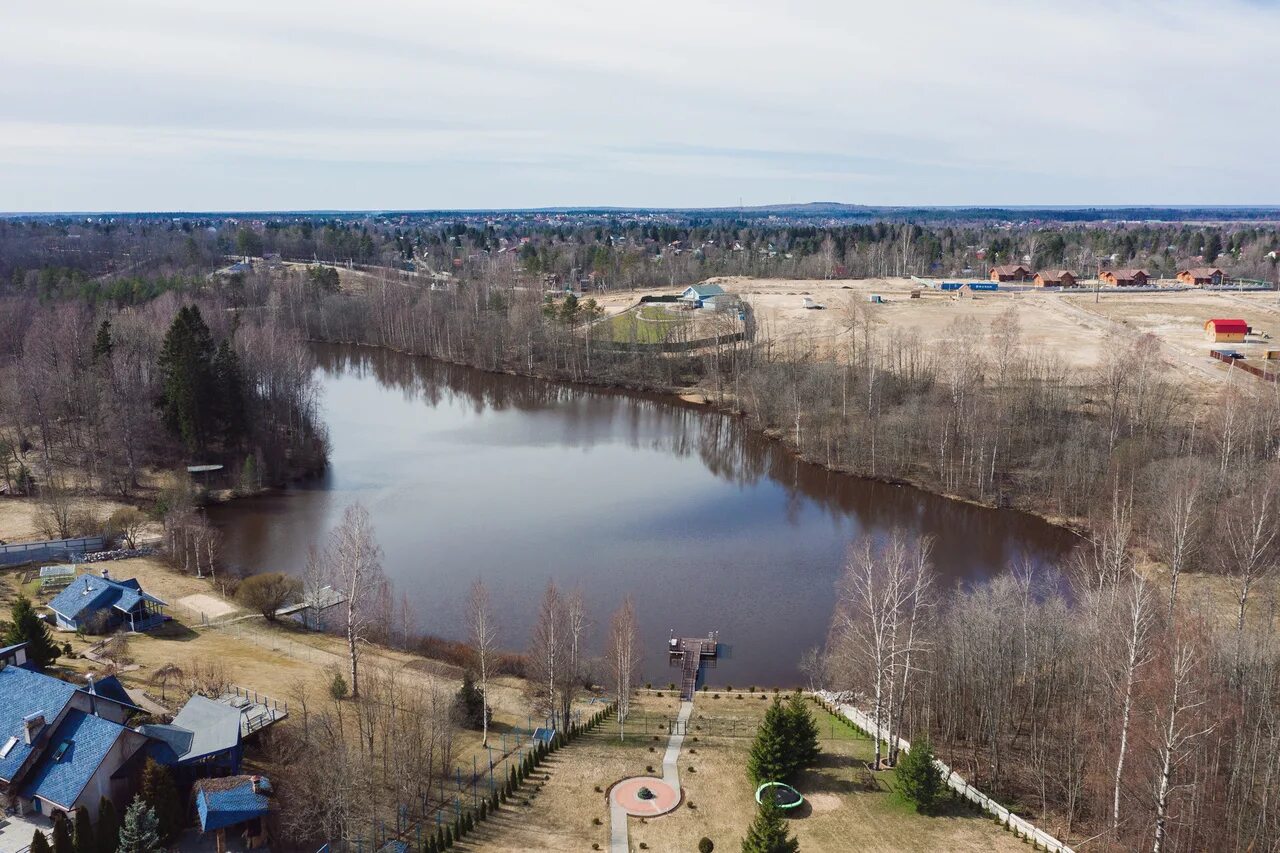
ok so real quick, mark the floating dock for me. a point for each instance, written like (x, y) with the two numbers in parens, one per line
(691, 654)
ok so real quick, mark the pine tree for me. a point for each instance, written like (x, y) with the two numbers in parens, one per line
(768, 832)
(470, 702)
(161, 794)
(62, 842)
(141, 831)
(26, 626)
(83, 832)
(918, 777)
(108, 827)
(39, 843)
(102, 344)
(769, 761)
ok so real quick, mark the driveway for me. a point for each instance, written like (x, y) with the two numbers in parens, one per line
(16, 832)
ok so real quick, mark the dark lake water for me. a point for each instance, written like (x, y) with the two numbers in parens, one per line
(706, 525)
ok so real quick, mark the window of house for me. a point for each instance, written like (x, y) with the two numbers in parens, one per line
(8, 747)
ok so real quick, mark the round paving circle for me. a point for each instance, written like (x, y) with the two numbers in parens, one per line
(627, 795)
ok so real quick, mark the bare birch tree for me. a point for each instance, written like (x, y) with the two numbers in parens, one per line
(1176, 735)
(547, 652)
(622, 658)
(356, 561)
(484, 637)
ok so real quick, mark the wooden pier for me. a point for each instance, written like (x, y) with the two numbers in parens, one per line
(690, 654)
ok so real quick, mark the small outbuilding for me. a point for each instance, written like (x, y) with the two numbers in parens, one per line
(1228, 331)
(1125, 278)
(1011, 272)
(1201, 276)
(1056, 278)
(237, 803)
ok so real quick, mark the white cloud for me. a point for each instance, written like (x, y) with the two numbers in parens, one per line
(405, 103)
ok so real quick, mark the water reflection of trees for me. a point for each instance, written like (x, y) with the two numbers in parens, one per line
(726, 447)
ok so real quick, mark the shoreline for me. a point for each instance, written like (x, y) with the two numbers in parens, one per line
(696, 397)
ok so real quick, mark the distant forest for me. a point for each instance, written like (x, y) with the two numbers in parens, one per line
(129, 259)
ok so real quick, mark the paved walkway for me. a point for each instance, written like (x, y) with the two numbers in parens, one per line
(623, 801)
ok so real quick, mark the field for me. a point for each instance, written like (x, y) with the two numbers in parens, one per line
(648, 324)
(1077, 327)
(567, 808)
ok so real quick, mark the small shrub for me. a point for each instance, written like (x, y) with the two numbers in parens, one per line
(671, 685)
(728, 688)
(692, 805)
(651, 749)
(648, 768)
(705, 845)
(599, 790)
(595, 821)
(752, 688)
(715, 696)
(595, 845)
(659, 694)
(648, 686)
(738, 697)
(644, 846)
(691, 770)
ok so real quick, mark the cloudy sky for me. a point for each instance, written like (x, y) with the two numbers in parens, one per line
(276, 104)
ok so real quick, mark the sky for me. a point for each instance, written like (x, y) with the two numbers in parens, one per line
(156, 105)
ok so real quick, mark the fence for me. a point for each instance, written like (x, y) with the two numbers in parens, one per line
(52, 549)
(668, 346)
(1247, 368)
(1021, 826)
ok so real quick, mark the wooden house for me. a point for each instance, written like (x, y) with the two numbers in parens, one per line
(1124, 278)
(1201, 276)
(1010, 272)
(1056, 278)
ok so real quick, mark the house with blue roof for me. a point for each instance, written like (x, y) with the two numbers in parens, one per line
(101, 604)
(238, 803)
(702, 295)
(60, 747)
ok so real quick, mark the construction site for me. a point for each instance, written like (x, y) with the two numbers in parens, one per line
(1075, 325)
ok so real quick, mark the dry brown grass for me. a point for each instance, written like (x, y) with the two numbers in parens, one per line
(719, 800)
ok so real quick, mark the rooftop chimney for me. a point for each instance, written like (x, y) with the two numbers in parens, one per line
(31, 726)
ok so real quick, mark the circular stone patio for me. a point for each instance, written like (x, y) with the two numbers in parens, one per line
(626, 794)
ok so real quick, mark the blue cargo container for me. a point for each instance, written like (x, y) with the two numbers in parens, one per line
(952, 285)
(983, 285)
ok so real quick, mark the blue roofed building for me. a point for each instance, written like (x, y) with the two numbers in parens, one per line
(81, 764)
(238, 803)
(60, 746)
(702, 295)
(101, 604)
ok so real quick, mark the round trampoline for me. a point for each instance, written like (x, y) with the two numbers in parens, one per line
(783, 795)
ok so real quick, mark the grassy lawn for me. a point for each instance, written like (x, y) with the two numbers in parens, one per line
(841, 812)
(649, 324)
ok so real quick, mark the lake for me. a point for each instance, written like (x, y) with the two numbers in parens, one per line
(707, 525)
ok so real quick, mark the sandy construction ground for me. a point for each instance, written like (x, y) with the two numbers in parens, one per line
(1077, 327)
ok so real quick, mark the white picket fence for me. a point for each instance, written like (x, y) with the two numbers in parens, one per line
(1021, 826)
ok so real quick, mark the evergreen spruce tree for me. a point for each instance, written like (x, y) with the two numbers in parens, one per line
(26, 626)
(39, 843)
(187, 380)
(768, 832)
(102, 343)
(470, 702)
(229, 397)
(161, 794)
(768, 760)
(108, 827)
(85, 842)
(140, 832)
(62, 841)
(918, 778)
(801, 734)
